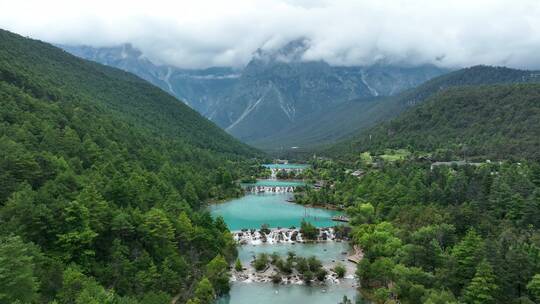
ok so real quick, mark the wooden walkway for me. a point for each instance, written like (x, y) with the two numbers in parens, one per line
(357, 256)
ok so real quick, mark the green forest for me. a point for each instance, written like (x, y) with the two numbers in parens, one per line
(102, 180)
(444, 200)
(447, 234)
(497, 122)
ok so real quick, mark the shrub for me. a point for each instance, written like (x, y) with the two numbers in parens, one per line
(309, 232)
(321, 274)
(308, 276)
(261, 262)
(340, 270)
(238, 265)
(276, 278)
(265, 228)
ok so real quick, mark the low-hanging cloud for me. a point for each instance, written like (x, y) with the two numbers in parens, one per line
(203, 33)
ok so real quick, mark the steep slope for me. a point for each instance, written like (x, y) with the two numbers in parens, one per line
(102, 179)
(200, 89)
(126, 58)
(275, 91)
(321, 129)
(351, 118)
(134, 98)
(494, 121)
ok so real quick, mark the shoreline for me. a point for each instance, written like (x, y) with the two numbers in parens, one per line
(325, 206)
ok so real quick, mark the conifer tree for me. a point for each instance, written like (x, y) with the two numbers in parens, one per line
(466, 254)
(204, 292)
(17, 279)
(218, 274)
(534, 287)
(482, 289)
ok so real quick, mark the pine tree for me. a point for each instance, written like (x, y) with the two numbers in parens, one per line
(217, 272)
(482, 289)
(500, 198)
(534, 287)
(204, 291)
(531, 210)
(17, 279)
(76, 241)
(466, 254)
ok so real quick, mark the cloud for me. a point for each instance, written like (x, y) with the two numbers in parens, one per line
(202, 33)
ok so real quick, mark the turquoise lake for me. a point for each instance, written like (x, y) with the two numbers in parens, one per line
(253, 210)
(326, 252)
(267, 293)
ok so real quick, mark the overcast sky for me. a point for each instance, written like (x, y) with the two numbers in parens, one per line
(202, 33)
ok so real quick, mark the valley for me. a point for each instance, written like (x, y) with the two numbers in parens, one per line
(276, 92)
(335, 152)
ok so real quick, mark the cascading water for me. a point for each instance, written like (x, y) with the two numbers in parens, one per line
(280, 235)
(269, 202)
(273, 174)
(272, 189)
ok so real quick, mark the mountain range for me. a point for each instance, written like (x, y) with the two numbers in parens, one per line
(484, 111)
(349, 119)
(278, 101)
(273, 93)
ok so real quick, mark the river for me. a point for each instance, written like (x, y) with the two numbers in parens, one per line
(273, 209)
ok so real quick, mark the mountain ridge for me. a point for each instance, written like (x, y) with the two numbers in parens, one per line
(436, 98)
(274, 90)
(360, 115)
(145, 96)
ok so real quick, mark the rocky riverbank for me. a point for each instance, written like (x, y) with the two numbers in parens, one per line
(273, 272)
(248, 274)
(248, 277)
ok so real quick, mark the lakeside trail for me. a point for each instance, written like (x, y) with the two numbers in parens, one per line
(357, 256)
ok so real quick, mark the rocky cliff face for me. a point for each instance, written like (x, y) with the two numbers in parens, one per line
(275, 90)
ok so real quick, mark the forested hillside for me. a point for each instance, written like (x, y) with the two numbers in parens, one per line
(447, 234)
(102, 180)
(47, 71)
(436, 232)
(488, 122)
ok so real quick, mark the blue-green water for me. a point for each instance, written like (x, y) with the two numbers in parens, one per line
(278, 183)
(286, 166)
(253, 210)
(267, 293)
(327, 252)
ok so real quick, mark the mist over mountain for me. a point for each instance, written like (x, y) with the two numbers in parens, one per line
(272, 92)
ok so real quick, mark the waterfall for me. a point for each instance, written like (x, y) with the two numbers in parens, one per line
(273, 175)
(270, 189)
(279, 235)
